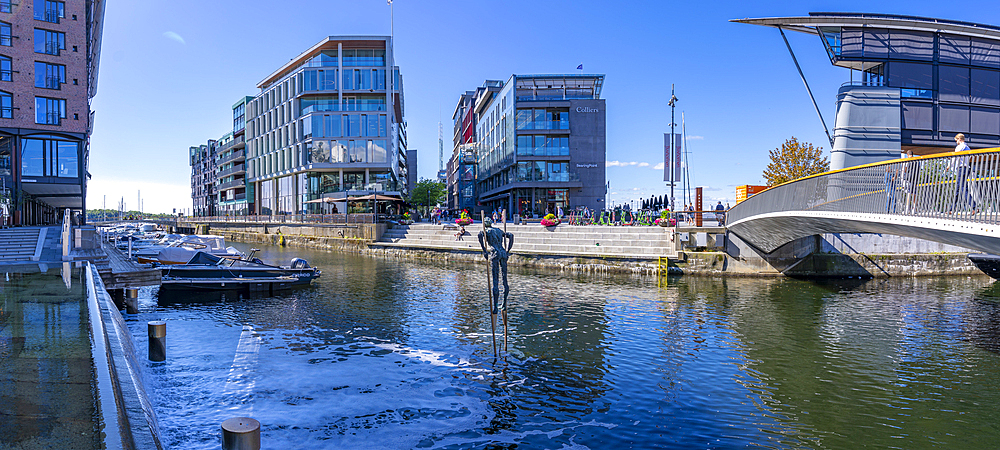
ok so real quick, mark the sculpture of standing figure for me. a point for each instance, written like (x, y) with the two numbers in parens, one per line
(497, 255)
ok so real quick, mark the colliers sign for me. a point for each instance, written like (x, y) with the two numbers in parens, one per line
(586, 109)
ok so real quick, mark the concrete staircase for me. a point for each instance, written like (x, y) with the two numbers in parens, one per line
(21, 244)
(566, 240)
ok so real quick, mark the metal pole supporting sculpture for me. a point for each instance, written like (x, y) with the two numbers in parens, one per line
(500, 243)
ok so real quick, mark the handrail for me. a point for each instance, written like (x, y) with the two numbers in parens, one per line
(963, 186)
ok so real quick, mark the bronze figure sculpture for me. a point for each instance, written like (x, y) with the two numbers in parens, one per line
(500, 243)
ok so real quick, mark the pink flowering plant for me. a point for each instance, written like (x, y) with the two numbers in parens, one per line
(550, 220)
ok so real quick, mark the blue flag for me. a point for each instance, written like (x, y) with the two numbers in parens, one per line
(580, 67)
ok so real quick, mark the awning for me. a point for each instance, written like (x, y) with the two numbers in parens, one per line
(375, 197)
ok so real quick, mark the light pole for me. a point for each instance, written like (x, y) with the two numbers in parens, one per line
(672, 102)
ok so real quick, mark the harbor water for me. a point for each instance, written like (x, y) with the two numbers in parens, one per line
(390, 354)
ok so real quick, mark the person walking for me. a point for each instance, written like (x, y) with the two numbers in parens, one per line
(720, 213)
(963, 172)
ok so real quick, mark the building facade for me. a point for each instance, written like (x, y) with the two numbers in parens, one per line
(231, 155)
(204, 165)
(914, 82)
(49, 54)
(329, 123)
(461, 169)
(541, 144)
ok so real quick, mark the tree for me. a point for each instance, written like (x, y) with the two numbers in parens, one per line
(794, 160)
(427, 193)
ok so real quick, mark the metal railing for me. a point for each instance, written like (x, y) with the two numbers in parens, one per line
(340, 218)
(963, 186)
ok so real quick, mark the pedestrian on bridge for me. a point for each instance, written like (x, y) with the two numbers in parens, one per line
(963, 174)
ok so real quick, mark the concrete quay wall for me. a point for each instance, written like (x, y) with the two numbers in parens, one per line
(829, 255)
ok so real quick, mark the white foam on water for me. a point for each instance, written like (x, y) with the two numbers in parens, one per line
(241, 381)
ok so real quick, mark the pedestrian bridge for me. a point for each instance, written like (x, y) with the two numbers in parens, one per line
(951, 198)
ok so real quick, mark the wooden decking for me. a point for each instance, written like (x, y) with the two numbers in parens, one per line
(121, 273)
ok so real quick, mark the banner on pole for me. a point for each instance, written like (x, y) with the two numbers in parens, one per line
(671, 159)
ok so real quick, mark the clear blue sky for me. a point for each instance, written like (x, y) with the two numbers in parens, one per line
(170, 71)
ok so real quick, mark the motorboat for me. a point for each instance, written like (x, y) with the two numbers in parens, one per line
(207, 272)
(987, 263)
(182, 250)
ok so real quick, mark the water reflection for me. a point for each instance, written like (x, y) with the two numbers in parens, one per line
(388, 354)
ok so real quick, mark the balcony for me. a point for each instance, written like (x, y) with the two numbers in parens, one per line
(236, 169)
(228, 145)
(234, 156)
(238, 183)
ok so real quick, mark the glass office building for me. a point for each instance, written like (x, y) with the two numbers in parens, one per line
(541, 143)
(329, 123)
(914, 82)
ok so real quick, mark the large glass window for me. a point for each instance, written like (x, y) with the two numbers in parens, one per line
(49, 76)
(354, 181)
(541, 145)
(49, 42)
(5, 6)
(6, 152)
(317, 103)
(332, 127)
(376, 151)
(542, 119)
(364, 57)
(357, 151)
(49, 111)
(5, 36)
(6, 73)
(32, 157)
(67, 159)
(326, 58)
(49, 10)
(353, 125)
(910, 75)
(985, 87)
(953, 83)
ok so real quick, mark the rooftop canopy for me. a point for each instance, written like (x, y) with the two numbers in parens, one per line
(815, 20)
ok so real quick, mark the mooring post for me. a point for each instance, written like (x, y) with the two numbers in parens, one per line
(131, 301)
(241, 433)
(157, 331)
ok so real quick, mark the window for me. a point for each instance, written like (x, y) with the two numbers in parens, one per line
(5, 70)
(49, 76)
(48, 42)
(5, 35)
(49, 111)
(6, 105)
(5, 6)
(49, 10)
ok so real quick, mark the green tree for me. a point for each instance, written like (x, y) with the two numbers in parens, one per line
(427, 193)
(794, 160)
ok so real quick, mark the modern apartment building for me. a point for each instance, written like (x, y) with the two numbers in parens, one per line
(329, 123)
(49, 54)
(204, 169)
(461, 167)
(914, 83)
(541, 143)
(231, 157)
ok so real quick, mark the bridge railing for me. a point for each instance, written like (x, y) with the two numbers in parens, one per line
(962, 186)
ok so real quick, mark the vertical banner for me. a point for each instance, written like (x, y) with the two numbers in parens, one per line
(677, 157)
(667, 163)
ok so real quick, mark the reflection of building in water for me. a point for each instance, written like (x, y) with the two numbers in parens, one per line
(328, 122)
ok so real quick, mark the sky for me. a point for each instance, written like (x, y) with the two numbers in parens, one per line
(170, 72)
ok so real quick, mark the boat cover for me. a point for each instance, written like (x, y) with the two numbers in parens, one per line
(204, 258)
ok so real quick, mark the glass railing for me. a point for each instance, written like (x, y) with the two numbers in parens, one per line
(543, 151)
(550, 177)
(545, 125)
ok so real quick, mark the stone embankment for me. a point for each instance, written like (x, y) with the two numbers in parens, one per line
(647, 250)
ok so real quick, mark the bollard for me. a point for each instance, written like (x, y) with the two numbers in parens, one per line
(157, 331)
(131, 301)
(241, 433)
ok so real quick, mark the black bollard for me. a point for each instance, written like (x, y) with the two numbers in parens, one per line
(241, 433)
(157, 331)
(131, 301)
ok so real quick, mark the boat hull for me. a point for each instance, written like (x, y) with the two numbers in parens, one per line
(990, 264)
(208, 277)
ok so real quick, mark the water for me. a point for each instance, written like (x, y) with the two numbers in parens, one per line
(390, 354)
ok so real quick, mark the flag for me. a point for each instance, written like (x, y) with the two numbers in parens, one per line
(580, 67)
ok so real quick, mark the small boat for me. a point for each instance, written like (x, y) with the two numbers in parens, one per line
(182, 250)
(987, 263)
(207, 272)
